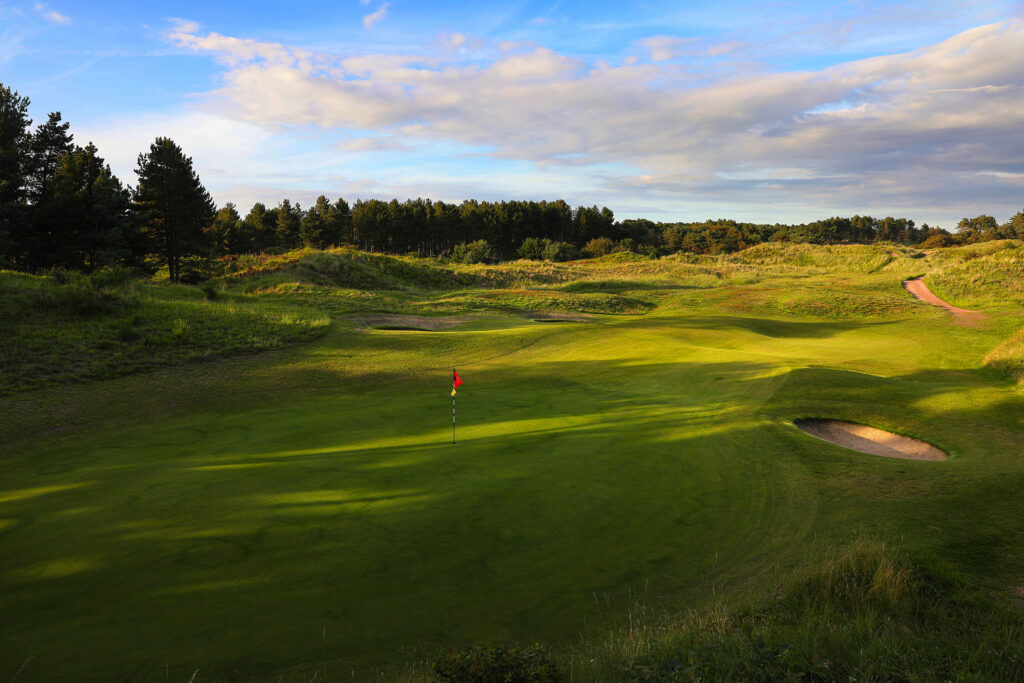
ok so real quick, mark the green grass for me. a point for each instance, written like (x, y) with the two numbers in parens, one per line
(986, 275)
(302, 512)
(53, 333)
(870, 613)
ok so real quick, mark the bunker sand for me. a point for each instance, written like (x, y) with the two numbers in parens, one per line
(870, 440)
(409, 322)
(919, 290)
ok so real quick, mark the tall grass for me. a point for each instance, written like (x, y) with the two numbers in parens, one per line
(987, 275)
(1008, 357)
(67, 327)
(872, 613)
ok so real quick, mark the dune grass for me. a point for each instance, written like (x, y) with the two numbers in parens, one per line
(301, 514)
(81, 330)
(867, 613)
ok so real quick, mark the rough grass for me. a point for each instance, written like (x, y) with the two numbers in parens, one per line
(1008, 357)
(986, 275)
(81, 330)
(871, 613)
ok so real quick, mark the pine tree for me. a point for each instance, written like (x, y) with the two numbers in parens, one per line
(46, 146)
(84, 221)
(224, 233)
(259, 228)
(171, 204)
(14, 123)
(313, 230)
(340, 224)
(289, 219)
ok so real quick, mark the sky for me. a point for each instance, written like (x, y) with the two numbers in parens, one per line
(759, 111)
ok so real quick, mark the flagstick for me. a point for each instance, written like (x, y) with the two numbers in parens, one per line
(453, 408)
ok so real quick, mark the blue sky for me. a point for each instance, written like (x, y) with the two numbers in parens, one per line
(781, 111)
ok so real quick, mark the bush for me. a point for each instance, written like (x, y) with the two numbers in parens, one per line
(935, 241)
(111, 277)
(497, 664)
(599, 246)
(532, 248)
(474, 252)
(558, 251)
(209, 290)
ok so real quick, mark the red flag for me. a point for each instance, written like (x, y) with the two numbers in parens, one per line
(456, 380)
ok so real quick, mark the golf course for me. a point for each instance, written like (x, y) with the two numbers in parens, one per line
(270, 490)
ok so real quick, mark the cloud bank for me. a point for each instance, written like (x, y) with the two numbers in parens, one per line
(935, 127)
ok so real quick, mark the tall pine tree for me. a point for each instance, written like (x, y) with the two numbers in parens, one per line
(171, 204)
(289, 218)
(14, 123)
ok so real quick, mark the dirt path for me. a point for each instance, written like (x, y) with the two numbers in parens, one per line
(866, 439)
(919, 290)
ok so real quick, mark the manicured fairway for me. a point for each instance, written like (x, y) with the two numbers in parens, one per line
(305, 510)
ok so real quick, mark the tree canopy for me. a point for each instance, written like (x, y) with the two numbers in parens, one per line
(170, 204)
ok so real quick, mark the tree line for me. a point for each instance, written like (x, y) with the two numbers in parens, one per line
(61, 206)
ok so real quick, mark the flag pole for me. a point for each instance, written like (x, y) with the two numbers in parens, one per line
(453, 406)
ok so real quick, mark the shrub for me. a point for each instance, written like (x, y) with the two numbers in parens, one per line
(626, 244)
(532, 248)
(111, 277)
(558, 251)
(474, 252)
(500, 663)
(599, 246)
(936, 241)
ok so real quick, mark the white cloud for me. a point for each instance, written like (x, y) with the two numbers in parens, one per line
(913, 127)
(664, 48)
(52, 15)
(380, 15)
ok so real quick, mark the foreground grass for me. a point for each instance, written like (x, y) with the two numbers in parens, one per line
(870, 613)
(302, 514)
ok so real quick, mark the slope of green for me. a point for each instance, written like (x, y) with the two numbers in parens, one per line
(303, 512)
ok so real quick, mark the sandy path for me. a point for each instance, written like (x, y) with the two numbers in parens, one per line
(919, 290)
(870, 440)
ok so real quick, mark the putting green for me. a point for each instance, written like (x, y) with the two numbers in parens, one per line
(304, 510)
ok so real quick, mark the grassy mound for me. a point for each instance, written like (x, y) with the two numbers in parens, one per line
(71, 328)
(987, 275)
(871, 614)
(1008, 357)
(352, 269)
(850, 258)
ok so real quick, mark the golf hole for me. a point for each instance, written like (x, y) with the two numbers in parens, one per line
(864, 439)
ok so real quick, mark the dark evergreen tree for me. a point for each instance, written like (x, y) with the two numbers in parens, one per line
(14, 124)
(313, 229)
(171, 204)
(83, 221)
(225, 233)
(260, 228)
(289, 219)
(340, 223)
(46, 145)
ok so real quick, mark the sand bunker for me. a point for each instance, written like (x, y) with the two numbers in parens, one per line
(919, 290)
(423, 323)
(559, 317)
(866, 439)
